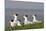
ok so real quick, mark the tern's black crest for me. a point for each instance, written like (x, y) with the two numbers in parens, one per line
(35, 14)
(12, 20)
(26, 15)
(16, 14)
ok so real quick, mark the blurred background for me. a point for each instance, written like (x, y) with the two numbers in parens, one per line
(22, 8)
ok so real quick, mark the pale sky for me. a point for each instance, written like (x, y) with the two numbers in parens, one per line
(30, 0)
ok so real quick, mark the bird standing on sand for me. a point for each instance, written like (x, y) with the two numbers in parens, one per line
(26, 20)
(15, 19)
(34, 19)
(15, 22)
(12, 23)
